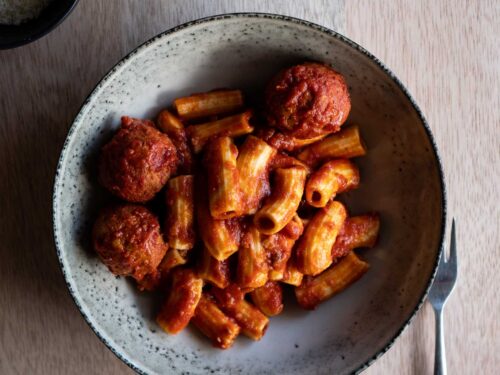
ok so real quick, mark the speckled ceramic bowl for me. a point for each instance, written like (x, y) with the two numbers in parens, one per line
(401, 179)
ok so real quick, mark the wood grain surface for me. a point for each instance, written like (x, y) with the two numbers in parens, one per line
(447, 55)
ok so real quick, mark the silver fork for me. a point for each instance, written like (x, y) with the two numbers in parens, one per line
(442, 287)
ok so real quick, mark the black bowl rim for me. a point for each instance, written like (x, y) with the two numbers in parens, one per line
(293, 20)
(50, 26)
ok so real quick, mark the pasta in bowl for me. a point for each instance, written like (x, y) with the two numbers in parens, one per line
(258, 218)
(249, 237)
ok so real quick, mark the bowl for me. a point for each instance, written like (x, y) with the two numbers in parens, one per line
(401, 179)
(17, 35)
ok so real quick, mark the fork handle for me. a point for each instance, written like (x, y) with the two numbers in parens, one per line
(440, 355)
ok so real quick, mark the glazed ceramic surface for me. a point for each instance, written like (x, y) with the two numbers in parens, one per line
(401, 179)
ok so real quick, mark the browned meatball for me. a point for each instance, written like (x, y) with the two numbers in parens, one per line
(128, 240)
(307, 100)
(138, 161)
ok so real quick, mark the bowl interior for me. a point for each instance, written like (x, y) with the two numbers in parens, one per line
(400, 180)
(16, 35)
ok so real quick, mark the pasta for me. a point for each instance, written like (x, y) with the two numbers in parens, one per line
(346, 143)
(223, 179)
(157, 279)
(279, 247)
(336, 176)
(357, 231)
(220, 237)
(209, 104)
(252, 260)
(253, 323)
(214, 324)
(253, 167)
(232, 126)
(268, 298)
(181, 303)
(283, 202)
(315, 290)
(180, 212)
(250, 207)
(213, 271)
(314, 248)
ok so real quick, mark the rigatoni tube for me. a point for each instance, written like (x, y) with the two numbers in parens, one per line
(357, 231)
(284, 200)
(179, 223)
(181, 303)
(279, 247)
(336, 176)
(313, 250)
(214, 271)
(232, 126)
(268, 298)
(347, 143)
(231, 300)
(224, 193)
(252, 268)
(213, 323)
(220, 237)
(209, 103)
(253, 167)
(315, 290)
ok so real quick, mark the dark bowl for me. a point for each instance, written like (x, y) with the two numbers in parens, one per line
(12, 36)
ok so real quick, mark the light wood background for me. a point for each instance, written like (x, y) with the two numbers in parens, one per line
(447, 53)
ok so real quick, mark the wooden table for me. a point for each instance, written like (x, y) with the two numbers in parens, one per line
(447, 55)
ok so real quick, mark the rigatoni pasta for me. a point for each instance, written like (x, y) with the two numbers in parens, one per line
(181, 302)
(224, 193)
(252, 321)
(220, 237)
(347, 143)
(253, 166)
(357, 231)
(279, 247)
(283, 202)
(336, 176)
(315, 290)
(314, 247)
(179, 222)
(268, 298)
(213, 271)
(213, 323)
(252, 271)
(232, 126)
(209, 104)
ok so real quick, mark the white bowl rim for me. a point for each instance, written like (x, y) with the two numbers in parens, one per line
(57, 185)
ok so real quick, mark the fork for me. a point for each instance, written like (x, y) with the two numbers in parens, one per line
(442, 287)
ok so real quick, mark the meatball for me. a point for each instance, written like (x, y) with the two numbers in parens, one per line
(138, 161)
(307, 100)
(127, 238)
